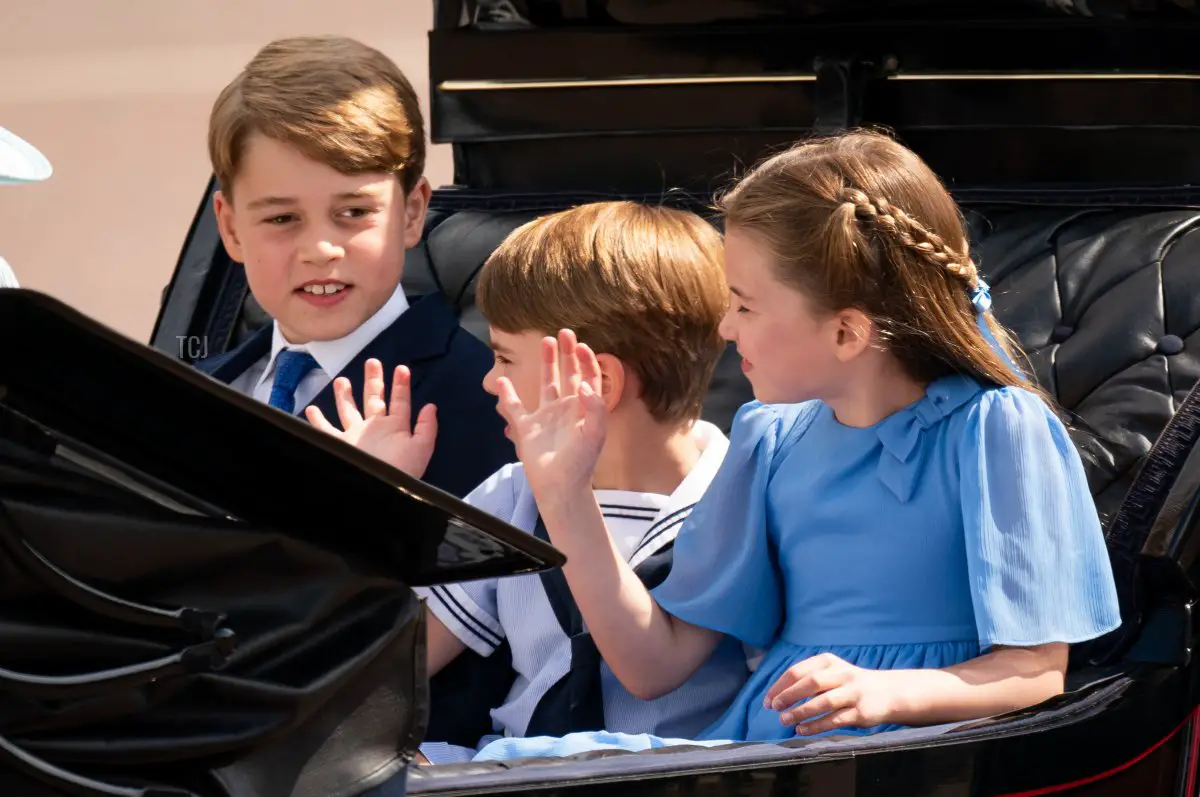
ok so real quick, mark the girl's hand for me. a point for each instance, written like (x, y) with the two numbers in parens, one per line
(559, 440)
(838, 695)
(842, 695)
(382, 431)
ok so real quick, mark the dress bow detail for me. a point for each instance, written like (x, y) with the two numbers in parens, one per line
(901, 433)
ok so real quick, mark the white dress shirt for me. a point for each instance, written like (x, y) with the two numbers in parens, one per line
(332, 356)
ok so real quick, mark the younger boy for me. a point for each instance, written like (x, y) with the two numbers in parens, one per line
(644, 287)
(318, 147)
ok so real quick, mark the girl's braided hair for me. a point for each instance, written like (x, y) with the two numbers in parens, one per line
(909, 232)
(858, 220)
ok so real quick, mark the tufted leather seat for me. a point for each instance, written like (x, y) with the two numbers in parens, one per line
(1107, 304)
(1105, 301)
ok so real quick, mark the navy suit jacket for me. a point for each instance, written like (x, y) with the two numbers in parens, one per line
(448, 365)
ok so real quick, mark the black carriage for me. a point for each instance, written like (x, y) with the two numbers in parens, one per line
(1069, 130)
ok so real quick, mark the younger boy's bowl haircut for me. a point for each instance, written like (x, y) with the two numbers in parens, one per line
(642, 283)
(336, 100)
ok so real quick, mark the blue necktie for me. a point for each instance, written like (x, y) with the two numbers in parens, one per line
(290, 368)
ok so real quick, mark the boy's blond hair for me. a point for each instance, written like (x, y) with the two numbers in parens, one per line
(336, 100)
(642, 283)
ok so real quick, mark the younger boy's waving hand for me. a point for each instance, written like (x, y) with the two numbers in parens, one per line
(560, 440)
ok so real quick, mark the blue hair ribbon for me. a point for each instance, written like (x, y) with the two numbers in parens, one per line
(981, 298)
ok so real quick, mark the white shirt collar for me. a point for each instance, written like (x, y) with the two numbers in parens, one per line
(713, 446)
(334, 355)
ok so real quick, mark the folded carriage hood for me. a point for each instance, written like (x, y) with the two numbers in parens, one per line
(654, 96)
(208, 449)
(563, 13)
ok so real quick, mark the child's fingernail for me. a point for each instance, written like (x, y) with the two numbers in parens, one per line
(786, 719)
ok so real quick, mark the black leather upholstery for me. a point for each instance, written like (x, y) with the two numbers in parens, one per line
(453, 250)
(1107, 304)
(1105, 301)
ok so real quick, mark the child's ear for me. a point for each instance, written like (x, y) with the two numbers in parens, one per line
(612, 380)
(416, 205)
(223, 210)
(855, 333)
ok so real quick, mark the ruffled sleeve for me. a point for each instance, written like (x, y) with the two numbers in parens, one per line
(1036, 557)
(725, 575)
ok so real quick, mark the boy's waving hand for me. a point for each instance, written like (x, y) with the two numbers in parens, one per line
(559, 441)
(384, 428)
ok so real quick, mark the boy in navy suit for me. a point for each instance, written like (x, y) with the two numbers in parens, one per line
(318, 147)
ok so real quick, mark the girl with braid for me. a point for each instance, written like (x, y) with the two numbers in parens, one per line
(901, 521)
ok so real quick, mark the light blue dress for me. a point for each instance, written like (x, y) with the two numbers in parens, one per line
(960, 522)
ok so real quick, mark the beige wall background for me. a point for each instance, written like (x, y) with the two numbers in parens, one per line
(117, 95)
